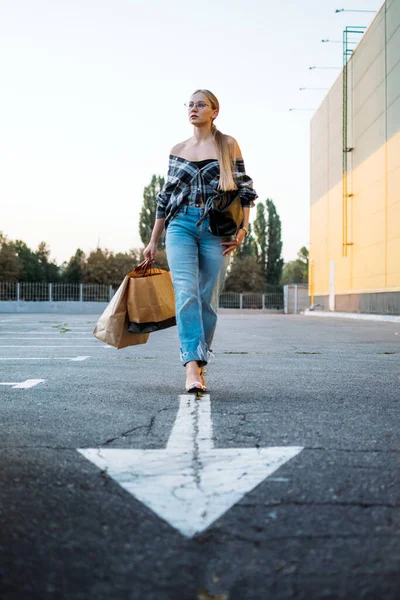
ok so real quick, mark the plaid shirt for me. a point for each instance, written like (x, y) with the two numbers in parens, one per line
(188, 184)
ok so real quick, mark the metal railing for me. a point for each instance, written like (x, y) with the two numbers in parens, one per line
(296, 298)
(270, 301)
(96, 292)
(55, 292)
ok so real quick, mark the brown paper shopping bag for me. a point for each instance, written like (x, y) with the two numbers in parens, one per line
(151, 300)
(112, 327)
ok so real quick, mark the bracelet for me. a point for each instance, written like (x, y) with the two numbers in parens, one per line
(245, 230)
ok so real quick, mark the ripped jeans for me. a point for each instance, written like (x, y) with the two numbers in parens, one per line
(198, 270)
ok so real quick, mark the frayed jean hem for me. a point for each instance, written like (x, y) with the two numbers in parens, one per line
(201, 354)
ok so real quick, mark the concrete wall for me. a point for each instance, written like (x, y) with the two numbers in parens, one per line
(372, 264)
(69, 308)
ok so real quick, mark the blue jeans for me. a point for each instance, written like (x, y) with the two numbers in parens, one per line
(198, 270)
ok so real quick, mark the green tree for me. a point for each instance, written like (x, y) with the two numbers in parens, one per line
(148, 212)
(10, 266)
(248, 246)
(103, 266)
(296, 271)
(49, 269)
(303, 255)
(274, 246)
(36, 266)
(121, 264)
(96, 268)
(73, 272)
(260, 230)
(31, 269)
(268, 236)
(244, 275)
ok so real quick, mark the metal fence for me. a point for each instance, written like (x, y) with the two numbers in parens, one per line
(296, 298)
(55, 292)
(270, 301)
(95, 292)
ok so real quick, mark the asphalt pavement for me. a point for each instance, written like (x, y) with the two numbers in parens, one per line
(302, 415)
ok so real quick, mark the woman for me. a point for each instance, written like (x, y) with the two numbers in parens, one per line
(206, 162)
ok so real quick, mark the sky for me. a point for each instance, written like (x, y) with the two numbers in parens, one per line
(92, 101)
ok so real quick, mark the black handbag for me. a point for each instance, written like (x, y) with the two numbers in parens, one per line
(225, 213)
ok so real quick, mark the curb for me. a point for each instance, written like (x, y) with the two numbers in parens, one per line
(358, 316)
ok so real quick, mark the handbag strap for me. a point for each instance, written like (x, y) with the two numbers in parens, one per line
(207, 208)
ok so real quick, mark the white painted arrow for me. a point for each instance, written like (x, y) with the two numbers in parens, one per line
(28, 383)
(191, 483)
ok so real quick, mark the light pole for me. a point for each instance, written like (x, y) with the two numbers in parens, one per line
(336, 42)
(311, 68)
(339, 10)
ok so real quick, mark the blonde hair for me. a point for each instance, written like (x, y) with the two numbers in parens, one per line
(224, 152)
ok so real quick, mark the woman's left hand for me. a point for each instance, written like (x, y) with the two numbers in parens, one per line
(233, 244)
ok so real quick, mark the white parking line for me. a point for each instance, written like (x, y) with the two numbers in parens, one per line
(49, 329)
(47, 323)
(77, 358)
(50, 339)
(50, 333)
(57, 346)
(28, 383)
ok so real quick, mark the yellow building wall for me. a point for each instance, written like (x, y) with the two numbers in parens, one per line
(372, 263)
(373, 259)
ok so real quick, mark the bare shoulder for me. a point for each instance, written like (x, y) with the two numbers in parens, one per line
(179, 149)
(233, 147)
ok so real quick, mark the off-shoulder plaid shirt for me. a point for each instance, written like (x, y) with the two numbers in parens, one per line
(187, 183)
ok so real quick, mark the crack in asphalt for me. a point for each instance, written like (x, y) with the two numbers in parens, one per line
(248, 412)
(125, 434)
(151, 424)
(149, 428)
(197, 465)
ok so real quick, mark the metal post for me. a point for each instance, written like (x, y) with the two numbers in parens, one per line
(241, 301)
(311, 281)
(263, 302)
(81, 292)
(110, 293)
(18, 291)
(332, 285)
(295, 298)
(50, 293)
(285, 299)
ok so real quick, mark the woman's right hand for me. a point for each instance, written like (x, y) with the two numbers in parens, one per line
(150, 252)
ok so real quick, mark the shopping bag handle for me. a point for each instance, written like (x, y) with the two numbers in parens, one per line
(145, 269)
